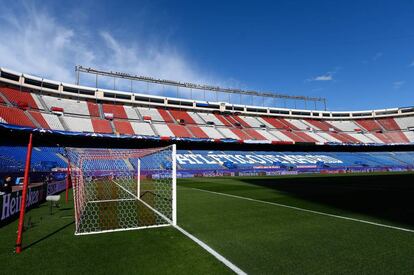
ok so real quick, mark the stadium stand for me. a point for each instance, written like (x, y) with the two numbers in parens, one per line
(142, 128)
(20, 98)
(117, 111)
(15, 116)
(24, 105)
(46, 158)
(101, 126)
(123, 127)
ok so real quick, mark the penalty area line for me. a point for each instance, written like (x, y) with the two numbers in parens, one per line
(307, 210)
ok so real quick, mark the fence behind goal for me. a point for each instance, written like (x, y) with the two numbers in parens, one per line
(123, 189)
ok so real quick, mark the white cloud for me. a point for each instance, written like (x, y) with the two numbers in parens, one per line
(325, 77)
(34, 41)
(398, 84)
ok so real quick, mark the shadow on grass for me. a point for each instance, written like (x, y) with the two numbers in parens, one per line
(387, 197)
(48, 235)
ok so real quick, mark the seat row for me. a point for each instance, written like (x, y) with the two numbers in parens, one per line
(49, 112)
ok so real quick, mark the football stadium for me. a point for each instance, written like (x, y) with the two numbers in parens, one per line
(118, 173)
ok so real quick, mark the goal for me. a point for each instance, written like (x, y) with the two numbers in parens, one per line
(123, 189)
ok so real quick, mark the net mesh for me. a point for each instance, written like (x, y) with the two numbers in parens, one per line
(122, 189)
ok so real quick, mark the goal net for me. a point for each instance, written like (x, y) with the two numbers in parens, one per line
(123, 189)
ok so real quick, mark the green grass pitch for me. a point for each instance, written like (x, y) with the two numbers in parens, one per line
(258, 237)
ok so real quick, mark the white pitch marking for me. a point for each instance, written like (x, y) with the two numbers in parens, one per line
(307, 210)
(205, 246)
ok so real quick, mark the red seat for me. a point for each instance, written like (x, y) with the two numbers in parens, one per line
(242, 135)
(254, 134)
(15, 116)
(16, 97)
(369, 124)
(179, 130)
(198, 132)
(101, 126)
(40, 119)
(93, 109)
(117, 110)
(388, 124)
(123, 127)
(179, 115)
(165, 115)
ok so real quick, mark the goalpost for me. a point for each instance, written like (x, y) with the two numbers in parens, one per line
(123, 189)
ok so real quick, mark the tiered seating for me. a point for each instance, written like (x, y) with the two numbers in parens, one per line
(85, 116)
(267, 135)
(205, 160)
(69, 106)
(240, 134)
(404, 122)
(150, 112)
(369, 124)
(211, 132)
(223, 120)
(211, 119)
(179, 130)
(283, 135)
(272, 122)
(93, 109)
(183, 116)
(251, 121)
(360, 138)
(101, 126)
(131, 113)
(15, 116)
(344, 137)
(237, 121)
(374, 138)
(14, 158)
(303, 137)
(142, 128)
(397, 137)
(53, 121)
(320, 125)
(295, 124)
(388, 124)
(409, 135)
(197, 132)
(254, 134)
(320, 137)
(78, 124)
(165, 115)
(163, 130)
(104, 165)
(123, 127)
(195, 116)
(344, 125)
(40, 119)
(20, 98)
(118, 111)
(227, 133)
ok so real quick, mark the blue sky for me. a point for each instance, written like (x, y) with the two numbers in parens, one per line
(357, 54)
